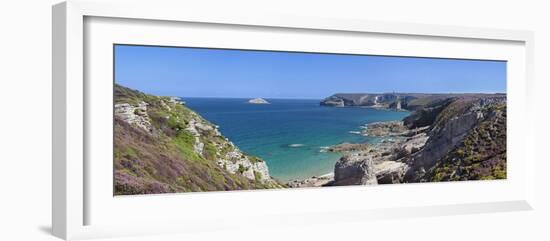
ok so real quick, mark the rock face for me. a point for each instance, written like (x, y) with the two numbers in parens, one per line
(397, 101)
(237, 163)
(163, 146)
(258, 101)
(333, 101)
(385, 100)
(462, 118)
(354, 169)
(462, 137)
(385, 162)
(426, 116)
(390, 172)
(136, 115)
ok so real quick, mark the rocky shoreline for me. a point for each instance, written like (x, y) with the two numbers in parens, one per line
(384, 161)
(162, 146)
(460, 137)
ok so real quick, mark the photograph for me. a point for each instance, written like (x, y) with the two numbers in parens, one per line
(275, 120)
(189, 119)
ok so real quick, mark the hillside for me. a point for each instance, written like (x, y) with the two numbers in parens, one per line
(449, 138)
(467, 142)
(161, 146)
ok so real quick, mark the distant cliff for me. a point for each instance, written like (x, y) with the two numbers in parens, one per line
(162, 146)
(406, 101)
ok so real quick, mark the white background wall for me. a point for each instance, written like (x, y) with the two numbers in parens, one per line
(25, 119)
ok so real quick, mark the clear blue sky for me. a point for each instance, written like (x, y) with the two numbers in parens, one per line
(195, 72)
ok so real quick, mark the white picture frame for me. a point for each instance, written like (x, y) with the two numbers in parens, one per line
(75, 201)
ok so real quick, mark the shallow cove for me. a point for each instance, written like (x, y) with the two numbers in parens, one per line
(289, 133)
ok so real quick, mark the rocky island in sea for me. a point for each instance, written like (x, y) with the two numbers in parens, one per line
(258, 101)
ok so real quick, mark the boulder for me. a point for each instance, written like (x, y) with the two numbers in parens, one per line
(354, 170)
(390, 172)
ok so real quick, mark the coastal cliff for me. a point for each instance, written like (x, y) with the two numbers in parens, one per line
(162, 146)
(405, 101)
(385, 100)
(447, 138)
(467, 142)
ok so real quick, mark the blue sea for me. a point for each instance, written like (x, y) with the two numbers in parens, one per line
(289, 134)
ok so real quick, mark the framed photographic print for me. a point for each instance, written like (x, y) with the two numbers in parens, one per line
(192, 119)
(206, 129)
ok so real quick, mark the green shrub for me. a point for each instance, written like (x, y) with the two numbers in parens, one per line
(242, 169)
(184, 142)
(253, 159)
(257, 176)
(210, 150)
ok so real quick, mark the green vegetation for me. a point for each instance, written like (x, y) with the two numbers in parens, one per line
(481, 155)
(242, 169)
(257, 176)
(254, 159)
(184, 142)
(210, 151)
(424, 101)
(165, 160)
(132, 97)
(454, 109)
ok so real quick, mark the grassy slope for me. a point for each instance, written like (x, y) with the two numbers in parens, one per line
(164, 160)
(481, 155)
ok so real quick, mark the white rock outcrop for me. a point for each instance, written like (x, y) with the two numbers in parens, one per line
(354, 169)
(237, 162)
(176, 100)
(134, 115)
(193, 127)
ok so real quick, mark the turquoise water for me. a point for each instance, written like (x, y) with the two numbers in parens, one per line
(289, 134)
